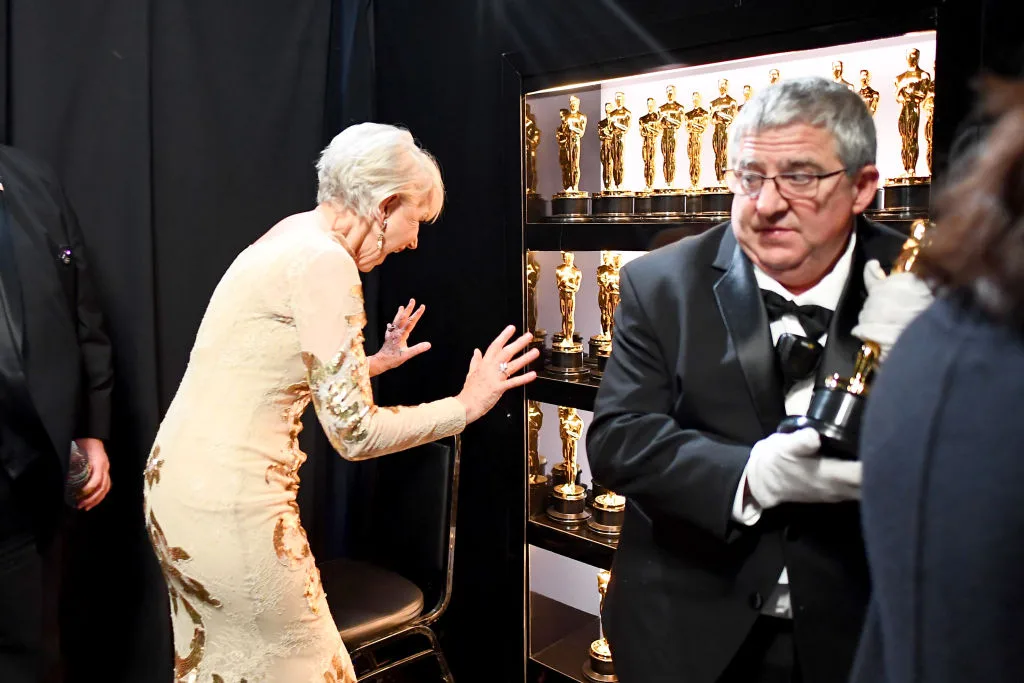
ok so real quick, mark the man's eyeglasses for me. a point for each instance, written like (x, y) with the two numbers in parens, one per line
(798, 185)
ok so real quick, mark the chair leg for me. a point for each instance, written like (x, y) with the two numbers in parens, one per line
(446, 674)
(367, 658)
(378, 672)
(367, 661)
(442, 663)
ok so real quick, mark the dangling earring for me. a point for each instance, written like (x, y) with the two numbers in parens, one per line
(380, 235)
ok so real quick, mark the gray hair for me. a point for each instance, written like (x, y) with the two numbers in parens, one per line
(816, 102)
(368, 162)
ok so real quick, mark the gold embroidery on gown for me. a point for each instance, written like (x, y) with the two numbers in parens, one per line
(179, 585)
(247, 604)
(336, 673)
(290, 540)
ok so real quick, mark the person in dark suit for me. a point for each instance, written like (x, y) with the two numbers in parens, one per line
(943, 467)
(741, 556)
(55, 381)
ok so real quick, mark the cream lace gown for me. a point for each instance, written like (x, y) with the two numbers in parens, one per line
(283, 327)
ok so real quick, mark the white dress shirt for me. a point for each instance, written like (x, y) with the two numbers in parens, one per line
(826, 293)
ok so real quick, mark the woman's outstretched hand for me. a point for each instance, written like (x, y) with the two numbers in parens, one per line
(396, 349)
(493, 372)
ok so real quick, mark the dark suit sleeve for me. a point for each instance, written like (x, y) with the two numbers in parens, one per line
(93, 342)
(635, 445)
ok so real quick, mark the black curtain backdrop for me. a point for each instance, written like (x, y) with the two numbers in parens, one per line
(182, 131)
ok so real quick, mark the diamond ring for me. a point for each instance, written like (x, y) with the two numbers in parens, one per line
(503, 368)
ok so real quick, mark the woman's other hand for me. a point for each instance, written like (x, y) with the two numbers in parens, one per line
(493, 372)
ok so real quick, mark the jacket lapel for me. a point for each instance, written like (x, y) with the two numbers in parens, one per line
(739, 302)
(13, 314)
(873, 242)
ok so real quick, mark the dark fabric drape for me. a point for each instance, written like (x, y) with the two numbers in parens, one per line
(78, 97)
(438, 72)
(181, 132)
(235, 135)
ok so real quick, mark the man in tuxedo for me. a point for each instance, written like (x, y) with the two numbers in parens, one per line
(55, 381)
(741, 557)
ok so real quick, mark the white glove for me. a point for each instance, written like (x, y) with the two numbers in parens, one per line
(892, 302)
(786, 468)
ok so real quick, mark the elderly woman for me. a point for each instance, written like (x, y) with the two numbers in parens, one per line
(283, 329)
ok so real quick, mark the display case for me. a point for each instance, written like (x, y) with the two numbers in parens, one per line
(652, 147)
(626, 154)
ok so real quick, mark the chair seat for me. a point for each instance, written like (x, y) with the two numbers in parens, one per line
(368, 601)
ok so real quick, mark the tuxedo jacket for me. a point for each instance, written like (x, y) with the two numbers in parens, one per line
(691, 385)
(55, 357)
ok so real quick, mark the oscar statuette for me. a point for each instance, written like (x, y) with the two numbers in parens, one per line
(748, 92)
(837, 75)
(717, 199)
(539, 336)
(569, 499)
(697, 120)
(867, 93)
(537, 480)
(650, 129)
(571, 202)
(566, 357)
(908, 191)
(607, 302)
(605, 139)
(614, 201)
(836, 409)
(928, 107)
(599, 666)
(531, 142)
(669, 201)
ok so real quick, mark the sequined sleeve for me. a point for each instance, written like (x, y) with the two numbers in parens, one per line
(329, 317)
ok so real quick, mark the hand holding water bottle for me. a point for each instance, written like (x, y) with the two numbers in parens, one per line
(88, 479)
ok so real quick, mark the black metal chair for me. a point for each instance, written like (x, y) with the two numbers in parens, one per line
(406, 551)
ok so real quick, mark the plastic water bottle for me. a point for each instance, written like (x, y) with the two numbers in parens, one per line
(78, 474)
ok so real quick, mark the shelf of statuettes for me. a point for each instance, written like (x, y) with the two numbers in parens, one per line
(641, 234)
(674, 181)
(894, 199)
(647, 235)
(579, 392)
(561, 638)
(622, 236)
(567, 516)
(577, 541)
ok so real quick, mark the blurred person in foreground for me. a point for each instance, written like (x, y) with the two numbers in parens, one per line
(942, 439)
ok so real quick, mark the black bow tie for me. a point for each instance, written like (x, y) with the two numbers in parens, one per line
(814, 319)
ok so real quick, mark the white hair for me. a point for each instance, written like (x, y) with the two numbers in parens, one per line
(816, 102)
(368, 162)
